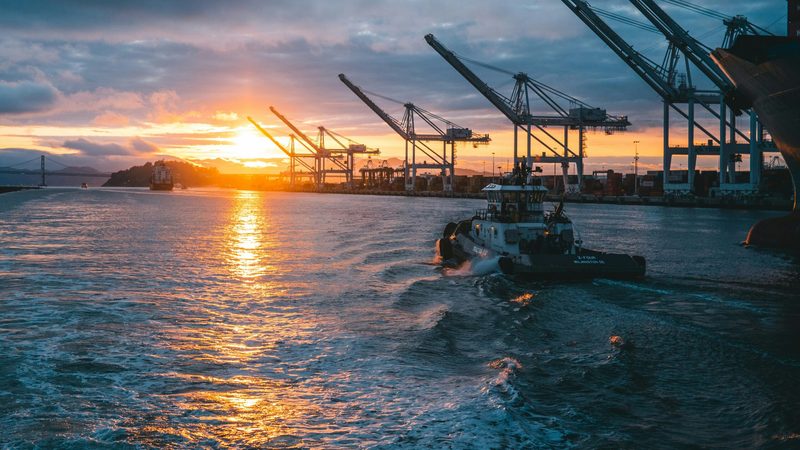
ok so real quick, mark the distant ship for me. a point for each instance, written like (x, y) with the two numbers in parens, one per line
(161, 179)
(766, 72)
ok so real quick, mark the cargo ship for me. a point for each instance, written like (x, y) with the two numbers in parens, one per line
(766, 73)
(161, 178)
(527, 241)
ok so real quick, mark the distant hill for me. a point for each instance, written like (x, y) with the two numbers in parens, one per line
(77, 169)
(183, 172)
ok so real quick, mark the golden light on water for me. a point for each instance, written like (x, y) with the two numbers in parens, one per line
(228, 351)
(524, 299)
(246, 249)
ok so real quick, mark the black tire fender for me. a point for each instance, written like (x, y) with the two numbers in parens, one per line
(641, 262)
(449, 229)
(506, 265)
(445, 249)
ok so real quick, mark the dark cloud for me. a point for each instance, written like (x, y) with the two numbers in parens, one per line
(25, 96)
(89, 148)
(141, 146)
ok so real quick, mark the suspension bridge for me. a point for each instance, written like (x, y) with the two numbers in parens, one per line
(26, 168)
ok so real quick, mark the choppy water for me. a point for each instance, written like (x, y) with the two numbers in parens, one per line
(245, 319)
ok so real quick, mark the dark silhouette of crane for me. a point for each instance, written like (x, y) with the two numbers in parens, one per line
(306, 160)
(677, 89)
(444, 131)
(518, 109)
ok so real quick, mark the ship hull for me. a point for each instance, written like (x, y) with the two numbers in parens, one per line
(766, 72)
(161, 186)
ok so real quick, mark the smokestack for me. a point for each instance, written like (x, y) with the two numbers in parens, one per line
(794, 19)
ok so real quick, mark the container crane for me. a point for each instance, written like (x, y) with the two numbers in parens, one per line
(294, 157)
(349, 150)
(322, 155)
(329, 161)
(676, 90)
(445, 131)
(699, 55)
(517, 108)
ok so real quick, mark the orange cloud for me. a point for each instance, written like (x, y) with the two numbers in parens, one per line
(111, 119)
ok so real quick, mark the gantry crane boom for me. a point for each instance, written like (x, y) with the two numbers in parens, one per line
(391, 121)
(446, 132)
(645, 68)
(680, 38)
(314, 147)
(674, 91)
(280, 146)
(498, 100)
(517, 108)
(351, 147)
(271, 138)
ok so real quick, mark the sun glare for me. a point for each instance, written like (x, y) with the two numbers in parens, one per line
(248, 143)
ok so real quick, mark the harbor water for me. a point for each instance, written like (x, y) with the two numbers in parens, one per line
(235, 319)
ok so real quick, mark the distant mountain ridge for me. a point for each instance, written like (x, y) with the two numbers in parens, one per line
(76, 169)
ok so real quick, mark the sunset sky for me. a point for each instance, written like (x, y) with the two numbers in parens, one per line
(112, 84)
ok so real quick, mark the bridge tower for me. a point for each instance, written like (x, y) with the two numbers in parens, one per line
(43, 183)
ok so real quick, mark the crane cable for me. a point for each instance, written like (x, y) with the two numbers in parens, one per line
(21, 163)
(626, 20)
(713, 14)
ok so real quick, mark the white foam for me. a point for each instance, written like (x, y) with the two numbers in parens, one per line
(477, 267)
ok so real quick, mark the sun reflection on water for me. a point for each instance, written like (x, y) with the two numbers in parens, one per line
(245, 237)
(231, 342)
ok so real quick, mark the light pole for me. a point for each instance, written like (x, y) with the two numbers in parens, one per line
(492, 164)
(636, 168)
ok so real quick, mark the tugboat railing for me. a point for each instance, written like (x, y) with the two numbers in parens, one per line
(508, 217)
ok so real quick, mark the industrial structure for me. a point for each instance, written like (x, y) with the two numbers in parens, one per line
(317, 159)
(330, 161)
(297, 161)
(443, 131)
(518, 109)
(378, 175)
(678, 89)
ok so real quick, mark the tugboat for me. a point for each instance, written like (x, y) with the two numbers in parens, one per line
(161, 179)
(527, 241)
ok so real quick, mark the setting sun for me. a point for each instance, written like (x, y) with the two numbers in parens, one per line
(248, 143)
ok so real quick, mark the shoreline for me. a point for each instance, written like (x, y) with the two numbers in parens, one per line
(6, 189)
(742, 203)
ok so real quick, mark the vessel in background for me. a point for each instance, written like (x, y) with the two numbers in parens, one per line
(161, 179)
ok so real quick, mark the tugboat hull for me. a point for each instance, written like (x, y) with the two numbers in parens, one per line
(582, 265)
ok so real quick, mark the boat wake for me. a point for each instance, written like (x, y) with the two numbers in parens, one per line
(475, 267)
